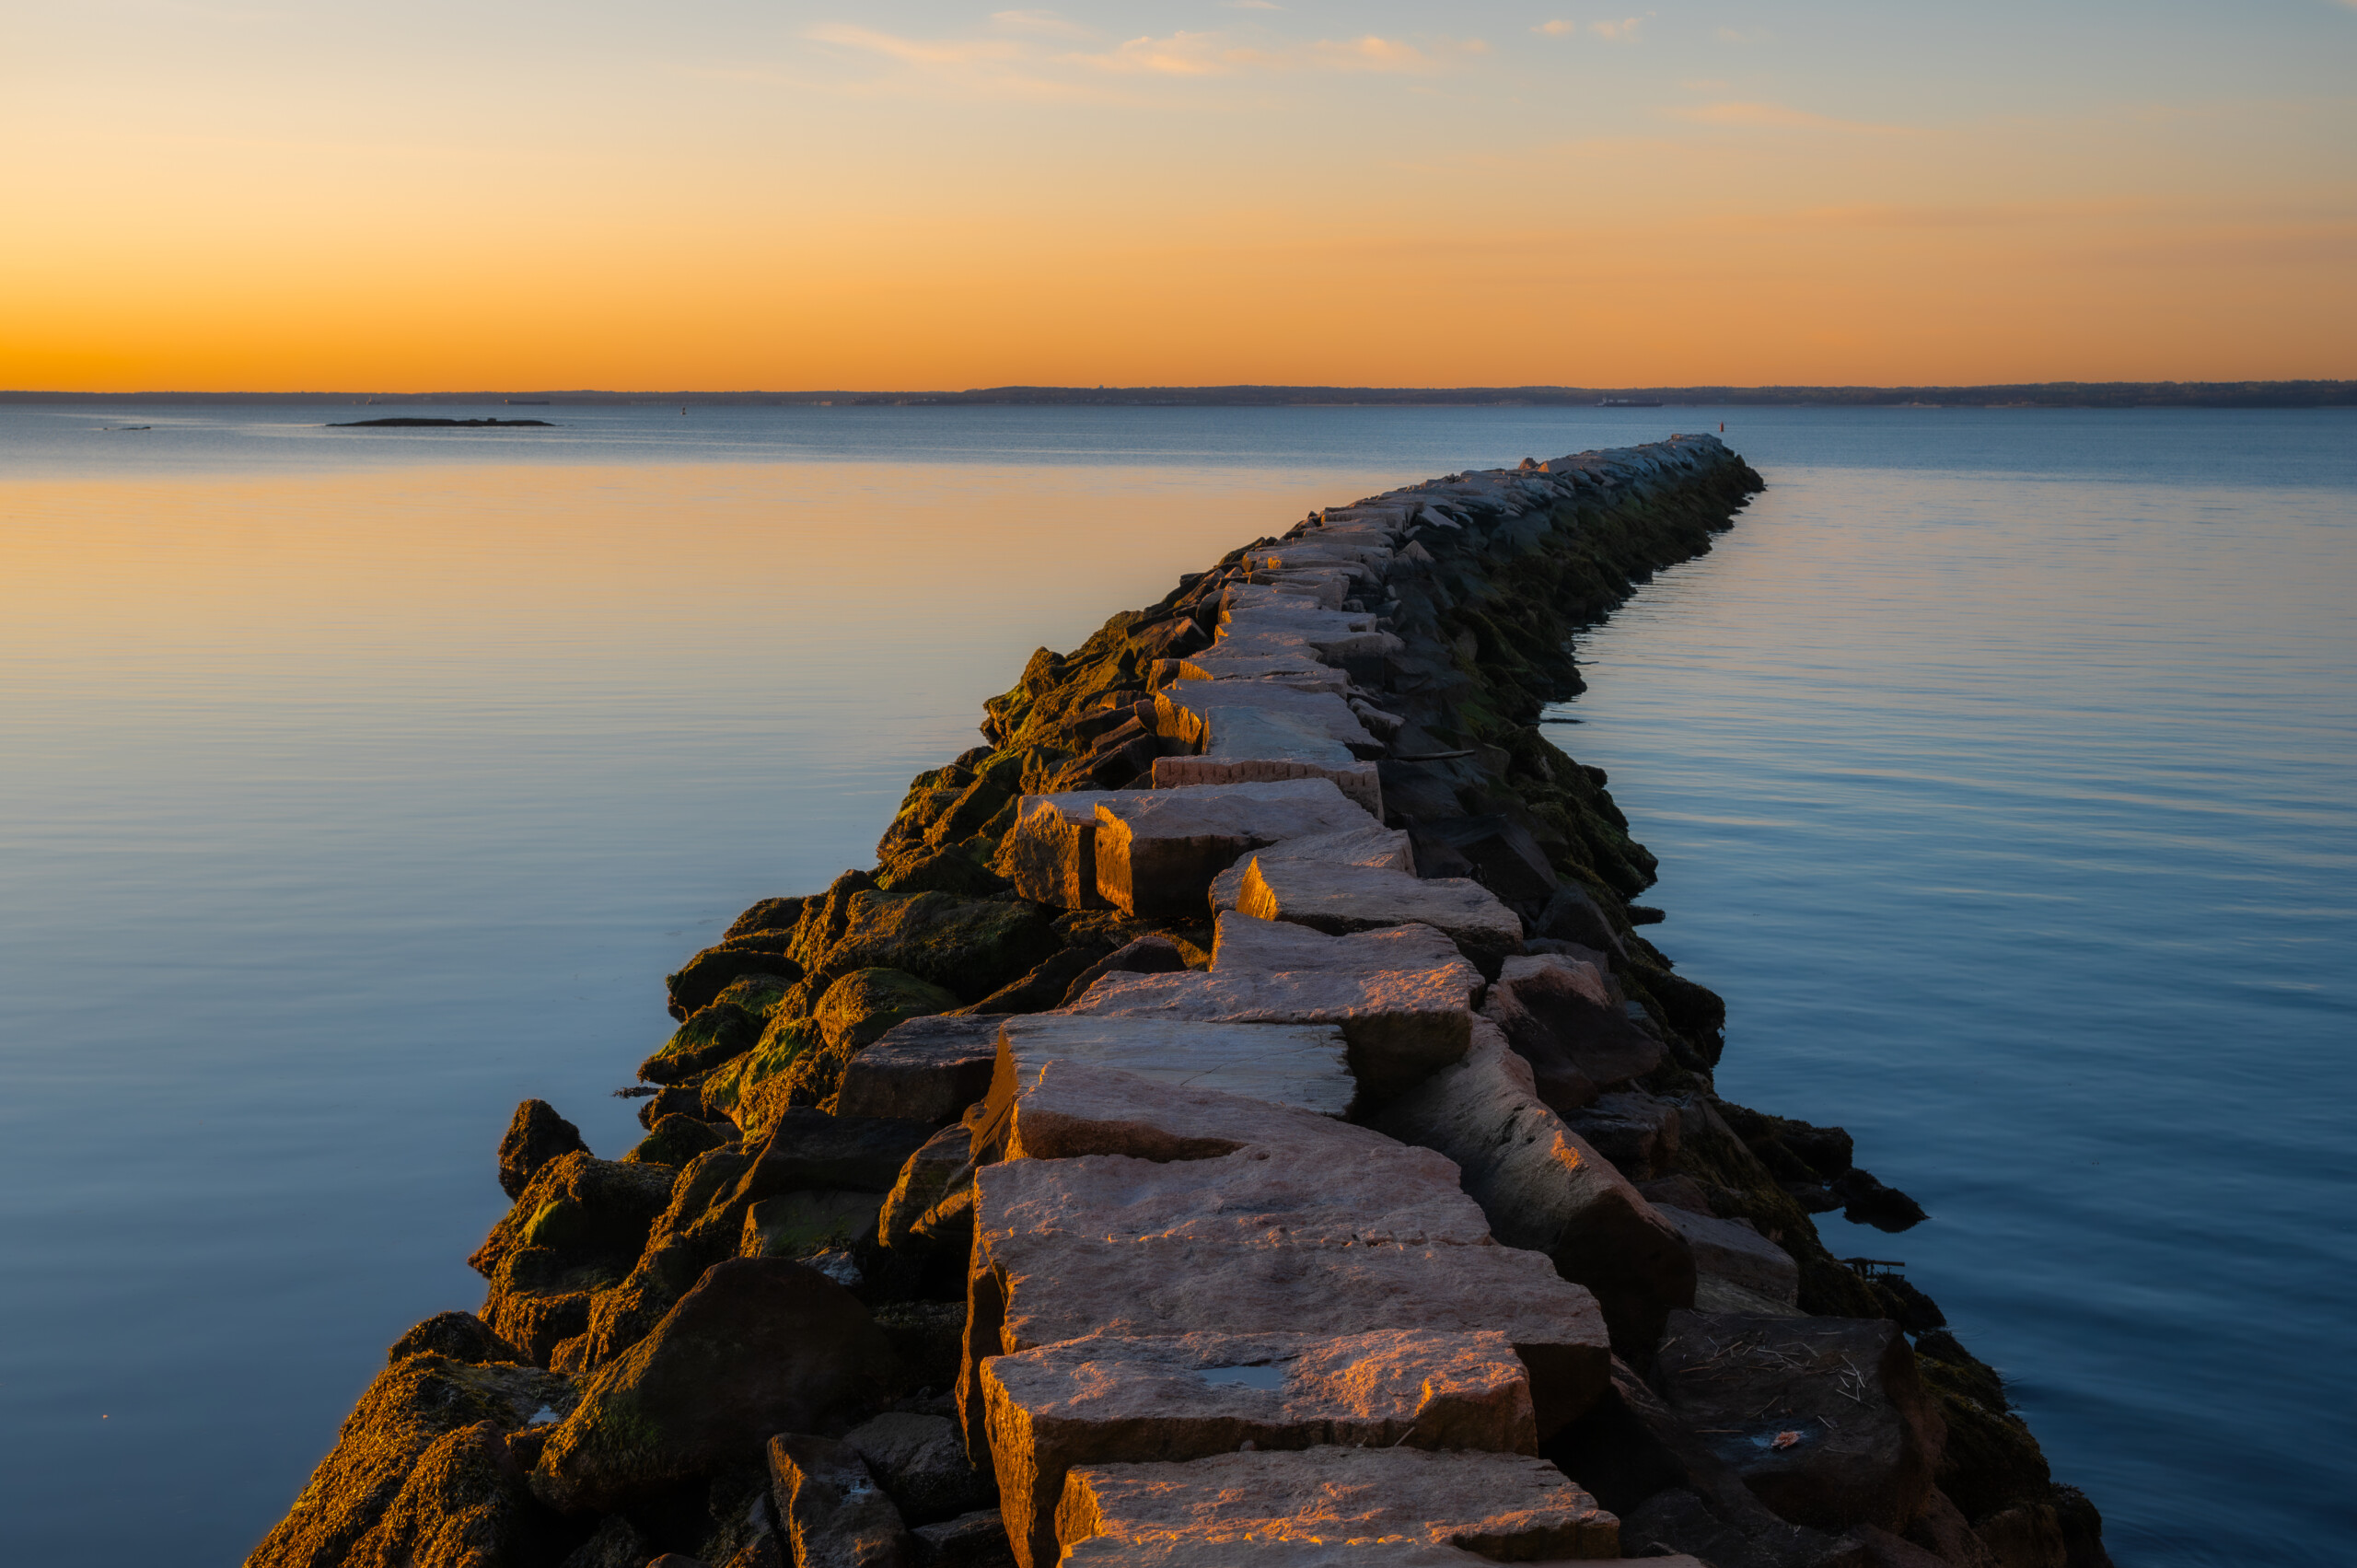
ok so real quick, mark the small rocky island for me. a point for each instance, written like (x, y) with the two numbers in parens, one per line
(1236, 1123)
(414, 424)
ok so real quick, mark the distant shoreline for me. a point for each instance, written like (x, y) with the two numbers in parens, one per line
(2041, 394)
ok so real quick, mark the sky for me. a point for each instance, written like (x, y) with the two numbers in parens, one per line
(730, 195)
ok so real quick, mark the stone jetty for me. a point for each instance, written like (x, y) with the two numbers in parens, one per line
(1236, 1121)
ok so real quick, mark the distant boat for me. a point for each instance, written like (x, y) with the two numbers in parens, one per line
(1624, 402)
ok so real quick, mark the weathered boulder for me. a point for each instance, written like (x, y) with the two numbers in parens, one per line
(536, 1135)
(414, 1404)
(1498, 1505)
(464, 1503)
(759, 1345)
(1067, 1107)
(966, 947)
(766, 914)
(927, 1069)
(673, 1141)
(1338, 899)
(753, 1088)
(835, 1514)
(1557, 1016)
(796, 1224)
(1108, 1400)
(1543, 1188)
(1823, 1418)
(1306, 1066)
(810, 1151)
(578, 1228)
(919, 1461)
(865, 1004)
(1156, 851)
(1402, 996)
(1735, 1252)
(701, 979)
(729, 1025)
(459, 1336)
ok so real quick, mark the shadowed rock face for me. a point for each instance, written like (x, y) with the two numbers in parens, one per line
(759, 1345)
(1543, 1187)
(1500, 1506)
(1106, 1399)
(1823, 1418)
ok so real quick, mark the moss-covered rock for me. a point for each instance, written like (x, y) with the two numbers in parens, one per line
(578, 1228)
(967, 946)
(760, 1345)
(785, 1040)
(347, 1513)
(676, 1140)
(859, 1007)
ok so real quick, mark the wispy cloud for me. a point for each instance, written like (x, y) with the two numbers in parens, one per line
(1273, 5)
(1781, 117)
(1562, 28)
(1222, 53)
(917, 52)
(1759, 34)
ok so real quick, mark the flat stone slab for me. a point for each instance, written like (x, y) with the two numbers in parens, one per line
(1402, 996)
(1544, 1189)
(1193, 711)
(1497, 1505)
(1028, 1290)
(1070, 1109)
(926, 1069)
(1049, 853)
(1361, 1193)
(1156, 851)
(1388, 849)
(1340, 899)
(1305, 1066)
(1114, 1400)
(1243, 730)
(1300, 669)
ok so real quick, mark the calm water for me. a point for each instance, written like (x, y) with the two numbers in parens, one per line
(354, 786)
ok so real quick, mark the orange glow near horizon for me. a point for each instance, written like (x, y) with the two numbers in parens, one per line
(228, 200)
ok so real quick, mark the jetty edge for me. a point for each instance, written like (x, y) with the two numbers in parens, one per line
(1236, 1121)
